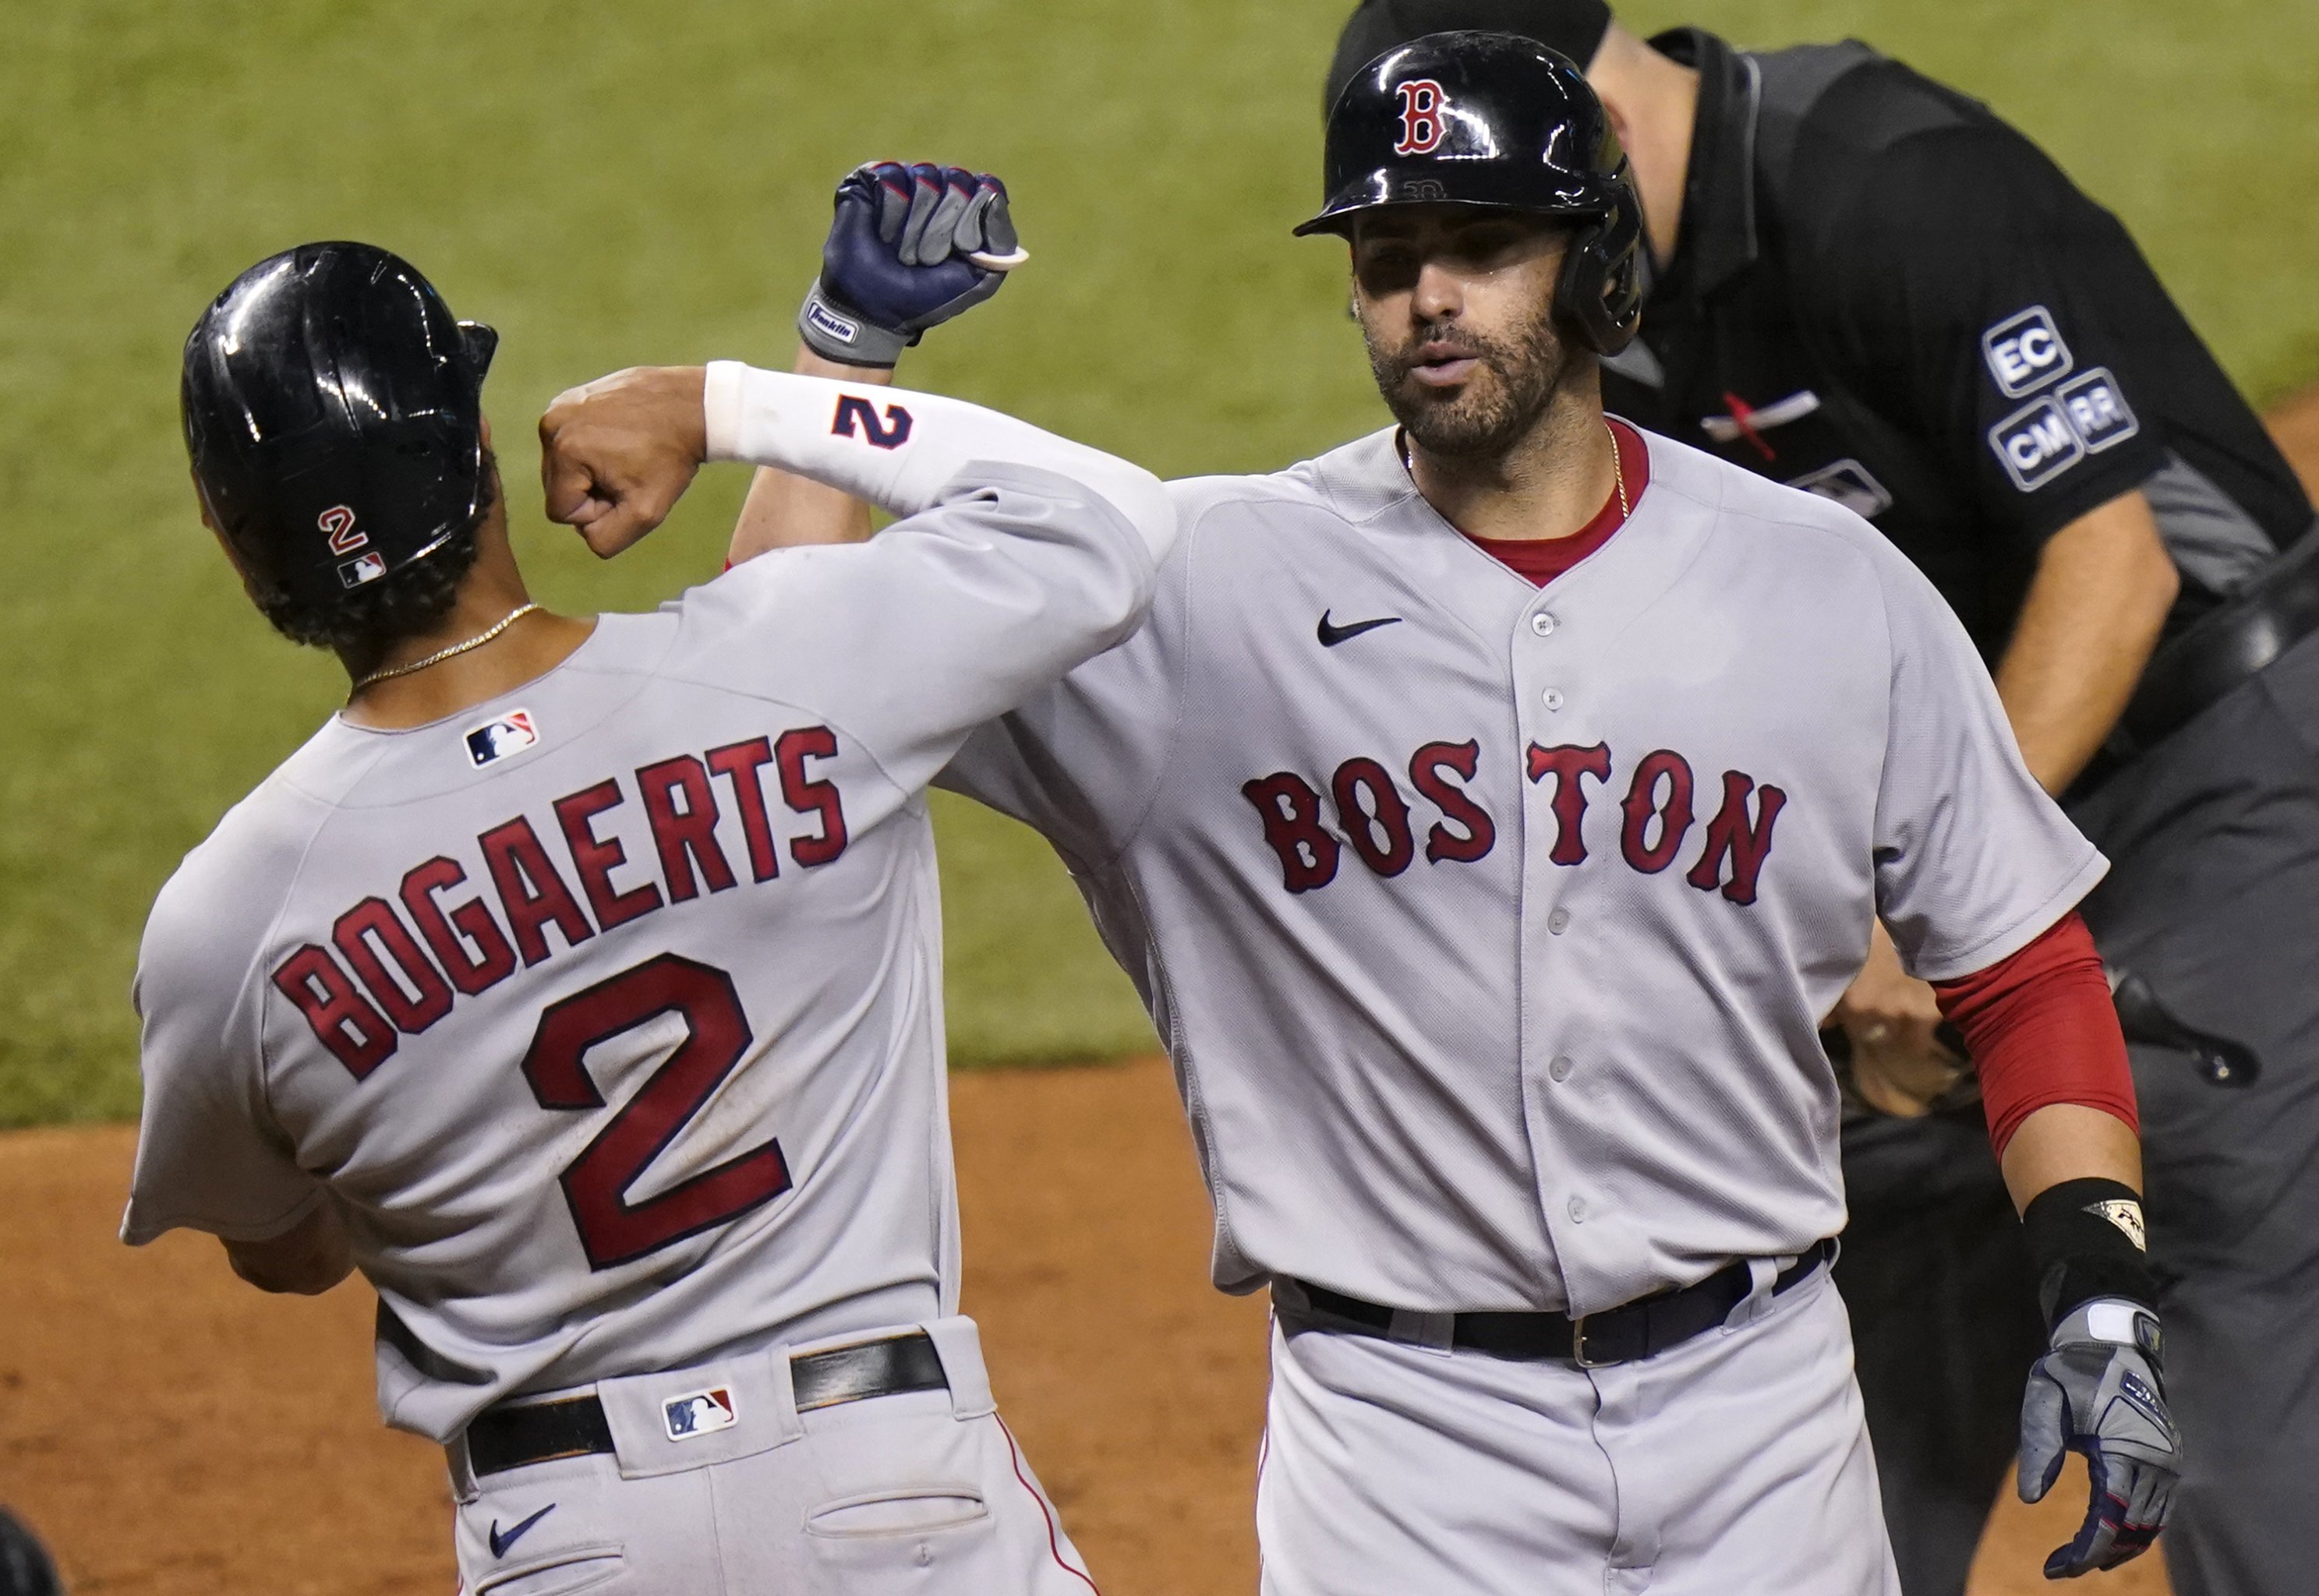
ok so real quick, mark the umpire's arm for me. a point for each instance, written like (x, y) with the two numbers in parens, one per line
(1936, 255)
(2103, 585)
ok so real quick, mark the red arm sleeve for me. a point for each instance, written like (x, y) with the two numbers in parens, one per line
(2041, 1029)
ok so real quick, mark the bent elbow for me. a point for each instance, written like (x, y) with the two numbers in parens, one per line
(1141, 500)
(1136, 498)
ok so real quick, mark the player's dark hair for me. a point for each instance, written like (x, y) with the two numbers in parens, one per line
(361, 626)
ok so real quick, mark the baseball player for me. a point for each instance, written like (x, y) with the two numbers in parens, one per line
(1487, 811)
(1872, 288)
(580, 981)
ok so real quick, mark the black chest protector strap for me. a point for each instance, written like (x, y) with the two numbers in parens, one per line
(1788, 86)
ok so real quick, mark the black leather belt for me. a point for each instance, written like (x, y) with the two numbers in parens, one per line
(1644, 1328)
(2222, 650)
(513, 1435)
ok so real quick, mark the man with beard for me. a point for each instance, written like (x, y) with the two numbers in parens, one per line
(1870, 286)
(1487, 812)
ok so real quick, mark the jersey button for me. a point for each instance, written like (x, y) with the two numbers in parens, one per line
(1558, 922)
(1578, 1210)
(1552, 697)
(1560, 1067)
(1542, 624)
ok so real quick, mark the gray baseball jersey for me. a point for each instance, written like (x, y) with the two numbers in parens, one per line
(609, 1013)
(1490, 927)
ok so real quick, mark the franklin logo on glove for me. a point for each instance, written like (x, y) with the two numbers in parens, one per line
(831, 325)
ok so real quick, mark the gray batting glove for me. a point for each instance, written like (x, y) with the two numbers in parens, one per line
(910, 248)
(2099, 1392)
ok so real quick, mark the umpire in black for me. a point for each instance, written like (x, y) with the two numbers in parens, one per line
(1868, 286)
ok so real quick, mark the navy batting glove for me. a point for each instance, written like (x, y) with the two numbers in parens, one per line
(2099, 1392)
(911, 248)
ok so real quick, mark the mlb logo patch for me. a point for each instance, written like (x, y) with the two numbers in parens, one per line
(1849, 483)
(2098, 411)
(2036, 445)
(699, 1414)
(2026, 352)
(511, 733)
(362, 569)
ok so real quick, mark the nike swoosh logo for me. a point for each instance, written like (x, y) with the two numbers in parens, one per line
(1331, 635)
(500, 1543)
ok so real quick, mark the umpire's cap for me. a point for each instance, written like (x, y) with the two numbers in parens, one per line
(333, 411)
(1573, 28)
(1493, 119)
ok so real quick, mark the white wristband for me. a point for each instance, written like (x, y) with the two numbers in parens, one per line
(902, 450)
(720, 403)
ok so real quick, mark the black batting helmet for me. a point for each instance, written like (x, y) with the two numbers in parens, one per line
(1494, 119)
(333, 410)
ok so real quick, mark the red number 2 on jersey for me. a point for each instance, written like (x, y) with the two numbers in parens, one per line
(613, 1230)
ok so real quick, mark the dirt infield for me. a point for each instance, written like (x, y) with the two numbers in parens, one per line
(174, 1433)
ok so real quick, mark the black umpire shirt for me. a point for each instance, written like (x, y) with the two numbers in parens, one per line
(1882, 293)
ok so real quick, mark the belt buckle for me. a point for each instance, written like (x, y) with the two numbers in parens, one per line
(1578, 1353)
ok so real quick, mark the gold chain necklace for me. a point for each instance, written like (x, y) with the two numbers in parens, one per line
(1618, 470)
(440, 655)
(1400, 447)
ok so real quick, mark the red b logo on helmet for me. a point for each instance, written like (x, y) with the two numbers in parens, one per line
(1421, 127)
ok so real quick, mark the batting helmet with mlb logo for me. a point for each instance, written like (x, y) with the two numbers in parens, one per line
(1500, 121)
(333, 410)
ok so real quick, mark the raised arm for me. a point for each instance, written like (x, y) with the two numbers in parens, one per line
(617, 454)
(786, 512)
(909, 247)
(1018, 554)
(906, 452)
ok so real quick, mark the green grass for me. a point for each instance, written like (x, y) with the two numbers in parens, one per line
(612, 183)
